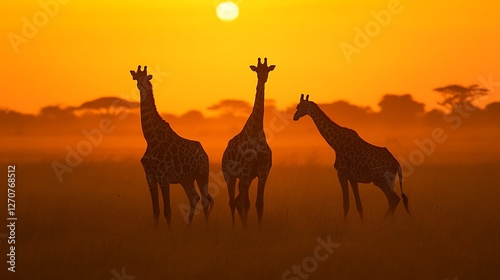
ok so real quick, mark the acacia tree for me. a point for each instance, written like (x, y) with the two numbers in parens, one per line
(457, 96)
(400, 109)
(56, 112)
(108, 106)
(231, 107)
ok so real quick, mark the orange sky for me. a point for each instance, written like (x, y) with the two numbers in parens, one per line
(85, 50)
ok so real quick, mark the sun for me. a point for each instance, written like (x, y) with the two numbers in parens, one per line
(227, 11)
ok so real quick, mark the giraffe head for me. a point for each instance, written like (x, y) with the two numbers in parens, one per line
(142, 78)
(302, 107)
(262, 70)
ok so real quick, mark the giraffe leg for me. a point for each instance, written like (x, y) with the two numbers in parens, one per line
(193, 198)
(152, 184)
(242, 201)
(231, 186)
(153, 190)
(259, 204)
(392, 198)
(345, 195)
(165, 191)
(207, 199)
(355, 191)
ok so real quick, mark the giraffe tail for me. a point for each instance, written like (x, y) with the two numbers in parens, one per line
(403, 195)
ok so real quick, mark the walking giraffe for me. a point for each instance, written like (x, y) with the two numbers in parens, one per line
(248, 155)
(357, 161)
(169, 158)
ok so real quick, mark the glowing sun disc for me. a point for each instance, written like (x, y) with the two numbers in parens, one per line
(227, 11)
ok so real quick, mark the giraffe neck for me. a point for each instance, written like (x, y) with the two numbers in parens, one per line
(256, 120)
(327, 128)
(151, 121)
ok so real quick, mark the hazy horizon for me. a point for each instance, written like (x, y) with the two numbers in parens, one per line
(402, 124)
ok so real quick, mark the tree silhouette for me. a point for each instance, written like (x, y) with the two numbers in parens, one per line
(493, 111)
(345, 112)
(456, 96)
(193, 117)
(110, 106)
(14, 120)
(232, 107)
(55, 112)
(400, 109)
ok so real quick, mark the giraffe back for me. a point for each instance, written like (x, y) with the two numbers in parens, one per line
(247, 155)
(177, 160)
(361, 161)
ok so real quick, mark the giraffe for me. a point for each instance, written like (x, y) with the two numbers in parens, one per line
(357, 161)
(248, 155)
(169, 158)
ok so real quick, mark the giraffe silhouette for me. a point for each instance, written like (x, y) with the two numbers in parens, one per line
(169, 158)
(248, 155)
(357, 161)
